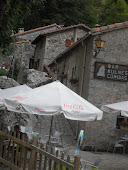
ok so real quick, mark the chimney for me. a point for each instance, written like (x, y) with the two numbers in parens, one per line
(97, 25)
(20, 30)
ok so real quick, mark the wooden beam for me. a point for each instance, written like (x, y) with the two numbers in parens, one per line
(9, 164)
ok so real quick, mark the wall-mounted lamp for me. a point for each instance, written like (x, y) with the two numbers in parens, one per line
(99, 45)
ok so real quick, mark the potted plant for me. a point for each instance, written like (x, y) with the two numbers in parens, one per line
(124, 125)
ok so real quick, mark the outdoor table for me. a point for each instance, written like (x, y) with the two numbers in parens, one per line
(125, 141)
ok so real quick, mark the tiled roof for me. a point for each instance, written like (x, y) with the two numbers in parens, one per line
(37, 29)
(92, 32)
(81, 26)
(109, 27)
(19, 42)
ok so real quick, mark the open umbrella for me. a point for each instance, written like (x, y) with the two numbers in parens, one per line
(10, 92)
(120, 107)
(54, 98)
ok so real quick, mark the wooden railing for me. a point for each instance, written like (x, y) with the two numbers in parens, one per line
(18, 153)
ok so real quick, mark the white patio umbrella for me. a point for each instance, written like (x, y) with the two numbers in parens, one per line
(120, 107)
(54, 98)
(10, 92)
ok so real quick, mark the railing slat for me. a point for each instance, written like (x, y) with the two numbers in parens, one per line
(17, 150)
(25, 155)
(35, 164)
(40, 161)
(68, 160)
(50, 161)
(62, 157)
(13, 148)
(77, 163)
(32, 156)
(9, 146)
(21, 151)
(9, 164)
(45, 160)
(55, 163)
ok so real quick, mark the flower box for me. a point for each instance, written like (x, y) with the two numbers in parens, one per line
(123, 127)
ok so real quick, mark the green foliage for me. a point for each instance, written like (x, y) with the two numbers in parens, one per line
(11, 14)
(114, 11)
(4, 69)
(64, 12)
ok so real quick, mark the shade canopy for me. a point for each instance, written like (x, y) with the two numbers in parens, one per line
(54, 98)
(120, 107)
(10, 92)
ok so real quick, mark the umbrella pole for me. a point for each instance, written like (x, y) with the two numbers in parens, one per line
(50, 130)
(19, 119)
(77, 130)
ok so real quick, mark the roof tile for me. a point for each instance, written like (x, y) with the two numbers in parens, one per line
(37, 29)
(109, 27)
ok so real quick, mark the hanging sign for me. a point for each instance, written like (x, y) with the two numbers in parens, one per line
(111, 71)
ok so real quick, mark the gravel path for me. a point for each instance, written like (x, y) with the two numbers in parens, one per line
(109, 161)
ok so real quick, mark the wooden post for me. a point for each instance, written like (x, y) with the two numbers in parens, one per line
(32, 156)
(40, 162)
(45, 160)
(77, 163)
(75, 35)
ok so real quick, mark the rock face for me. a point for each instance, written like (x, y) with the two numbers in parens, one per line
(36, 78)
(6, 82)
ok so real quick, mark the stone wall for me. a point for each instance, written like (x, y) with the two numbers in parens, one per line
(31, 35)
(102, 91)
(25, 50)
(98, 91)
(6, 82)
(54, 45)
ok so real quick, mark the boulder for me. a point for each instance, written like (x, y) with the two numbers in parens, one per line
(6, 82)
(36, 78)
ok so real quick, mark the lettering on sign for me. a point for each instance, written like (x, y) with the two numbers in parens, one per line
(1, 100)
(39, 110)
(73, 107)
(111, 71)
(19, 98)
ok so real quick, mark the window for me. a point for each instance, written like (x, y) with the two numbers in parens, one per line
(68, 43)
(120, 119)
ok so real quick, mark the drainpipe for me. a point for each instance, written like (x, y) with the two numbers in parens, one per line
(82, 80)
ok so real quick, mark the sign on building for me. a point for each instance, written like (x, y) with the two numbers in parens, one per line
(111, 71)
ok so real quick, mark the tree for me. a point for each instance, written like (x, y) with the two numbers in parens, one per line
(63, 12)
(11, 14)
(114, 11)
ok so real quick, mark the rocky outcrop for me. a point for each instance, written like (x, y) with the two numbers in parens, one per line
(6, 82)
(36, 78)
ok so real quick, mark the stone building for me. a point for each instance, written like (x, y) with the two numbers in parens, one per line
(52, 43)
(24, 50)
(101, 77)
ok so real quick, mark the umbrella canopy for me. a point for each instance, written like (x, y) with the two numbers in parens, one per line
(120, 107)
(10, 92)
(54, 98)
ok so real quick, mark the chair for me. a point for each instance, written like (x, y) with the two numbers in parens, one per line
(62, 150)
(114, 143)
(85, 164)
(54, 139)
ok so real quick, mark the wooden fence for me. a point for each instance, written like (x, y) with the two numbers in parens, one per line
(17, 153)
